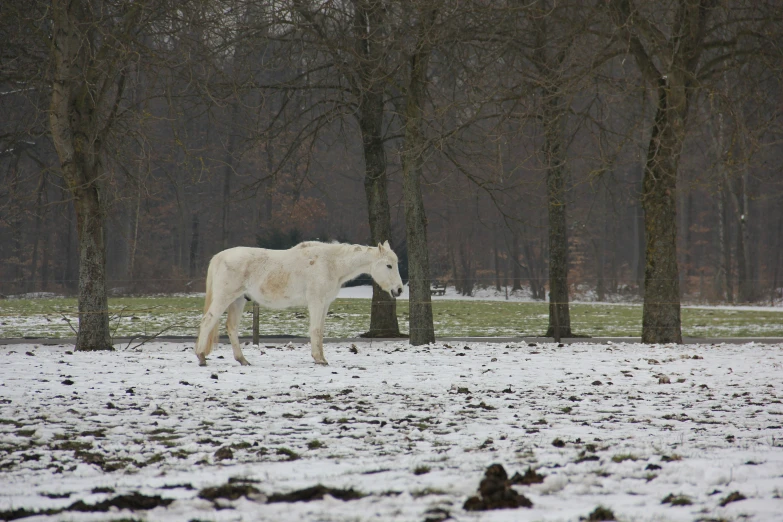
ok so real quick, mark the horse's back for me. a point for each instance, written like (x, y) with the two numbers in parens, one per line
(273, 278)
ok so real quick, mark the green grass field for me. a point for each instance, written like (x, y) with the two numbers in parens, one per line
(179, 316)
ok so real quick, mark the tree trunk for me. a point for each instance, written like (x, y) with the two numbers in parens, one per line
(497, 257)
(468, 281)
(661, 321)
(46, 247)
(745, 284)
(724, 232)
(228, 171)
(16, 228)
(515, 268)
(776, 262)
(193, 257)
(81, 113)
(669, 62)
(93, 299)
(368, 28)
(68, 276)
(600, 285)
(688, 243)
(39, 210)
(640, 243)
(422, 330)
(554, 155)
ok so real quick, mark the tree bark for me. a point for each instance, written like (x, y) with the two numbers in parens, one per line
(496, 254)
(554, 155)
(515, 268)
(367, 26)
(746, 291)
(661, 322)
(228, 172)
(422, 330)
(193, 256)
(39, 210)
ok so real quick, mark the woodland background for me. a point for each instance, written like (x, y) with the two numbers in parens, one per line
(235, 123)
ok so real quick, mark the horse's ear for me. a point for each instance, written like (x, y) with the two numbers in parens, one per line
(380, 248)
(386, 245)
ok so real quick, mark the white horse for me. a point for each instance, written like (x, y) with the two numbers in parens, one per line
(309, 274)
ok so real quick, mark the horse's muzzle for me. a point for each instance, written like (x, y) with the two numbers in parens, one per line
(396, 292)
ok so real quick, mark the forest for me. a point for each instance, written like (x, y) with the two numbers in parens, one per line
(603, 150)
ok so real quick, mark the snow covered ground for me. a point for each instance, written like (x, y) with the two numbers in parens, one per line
(412, 429)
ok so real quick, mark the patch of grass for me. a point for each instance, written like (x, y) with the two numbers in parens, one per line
(419, 493)
(316, 492)
(731, 497)
(622, 457)
(72, 445)
(289, 453)
(158, 457)
(421, 470)
(181, 314)
(677, 500)
(160, 431)
(181, 454)
(315, 444)
(230, 491)
(600, 514)
(164, 438)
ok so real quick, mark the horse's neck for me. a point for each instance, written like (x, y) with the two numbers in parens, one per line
(360, 262)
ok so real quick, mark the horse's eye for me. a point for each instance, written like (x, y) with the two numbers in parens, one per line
(388, 266)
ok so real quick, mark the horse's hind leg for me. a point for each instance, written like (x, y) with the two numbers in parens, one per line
(317, 317)
(208, 330)
(232, 326)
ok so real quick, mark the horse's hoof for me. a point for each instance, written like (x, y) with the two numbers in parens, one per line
(243, 362)
(322, 363)
(202, 360)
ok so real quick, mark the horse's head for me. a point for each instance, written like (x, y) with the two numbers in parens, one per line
(385, 271)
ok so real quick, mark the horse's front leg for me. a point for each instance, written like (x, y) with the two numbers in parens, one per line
(317, 317)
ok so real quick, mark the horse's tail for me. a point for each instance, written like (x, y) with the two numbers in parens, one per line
(207, 340)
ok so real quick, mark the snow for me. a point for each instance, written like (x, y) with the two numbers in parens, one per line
(150, 420)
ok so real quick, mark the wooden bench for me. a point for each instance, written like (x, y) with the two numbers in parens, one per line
(438, 288)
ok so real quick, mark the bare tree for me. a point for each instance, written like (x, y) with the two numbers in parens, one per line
(674, 86)
(88, 83)
(679, 47)
(355, 41)
(413, 155)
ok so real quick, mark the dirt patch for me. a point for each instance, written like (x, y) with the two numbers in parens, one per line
(134, 502)
(495, 492)
(530, 477)
(16, 514)
(315, 493)
(232, 490)
(733, 497)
